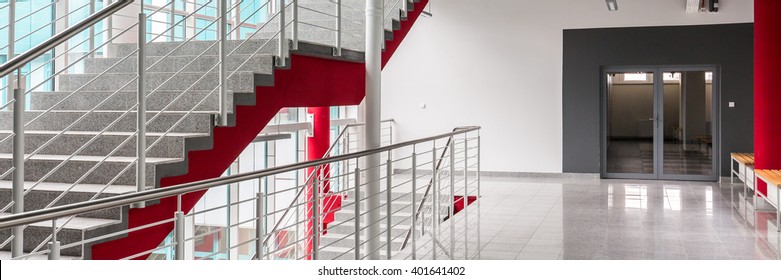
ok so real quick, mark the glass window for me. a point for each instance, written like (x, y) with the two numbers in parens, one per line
(211, 30)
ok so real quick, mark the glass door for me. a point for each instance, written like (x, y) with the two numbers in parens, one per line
(629, 127)
(660, 123)
(688, 124)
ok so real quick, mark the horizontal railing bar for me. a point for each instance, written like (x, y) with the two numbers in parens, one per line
(126, 199)
(61, 37)
(316, 11)
(24, 257)
(148, 251)
(218, 207)
(317, 26)
(205, 234)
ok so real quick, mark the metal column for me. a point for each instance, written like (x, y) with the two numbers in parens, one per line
(221, 30)
(17, 190)
(281, 55)
(338, 43)
(17, 246)
(373, 58)
(141, 113)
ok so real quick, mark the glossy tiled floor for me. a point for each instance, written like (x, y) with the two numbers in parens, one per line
(525, 218)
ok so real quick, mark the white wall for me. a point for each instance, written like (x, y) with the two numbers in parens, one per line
(498, 64)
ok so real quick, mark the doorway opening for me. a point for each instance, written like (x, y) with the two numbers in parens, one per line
(660, 123)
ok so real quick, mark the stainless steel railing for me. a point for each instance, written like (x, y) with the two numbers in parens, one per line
(118, 28)
(398, 185)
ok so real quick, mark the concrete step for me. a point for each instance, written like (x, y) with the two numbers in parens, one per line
(342, 253)
(238, 82)
(76, 230)
(348, 240)
(171, 146)
(6, 255)
(258, 63)
(123, 100)
(196, 122)
(404, 211)
(45, 193)
(349, 227)
(241, 47)
(39, 166)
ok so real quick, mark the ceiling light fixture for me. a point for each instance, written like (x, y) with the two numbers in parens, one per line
(612, 5)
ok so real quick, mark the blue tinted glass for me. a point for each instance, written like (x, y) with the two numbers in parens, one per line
(211, 30)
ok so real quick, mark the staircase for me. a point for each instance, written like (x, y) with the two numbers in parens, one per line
(333, 245)
(94, 157)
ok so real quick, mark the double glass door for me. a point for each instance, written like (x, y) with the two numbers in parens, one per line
(660, 123)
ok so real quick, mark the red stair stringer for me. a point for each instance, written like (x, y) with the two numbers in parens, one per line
(309, 82)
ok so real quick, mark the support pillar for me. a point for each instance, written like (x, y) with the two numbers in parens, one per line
(316, 146)
(374, 39)
(767, 96)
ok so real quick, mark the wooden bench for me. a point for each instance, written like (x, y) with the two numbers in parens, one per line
(745, 170)
(773, 180)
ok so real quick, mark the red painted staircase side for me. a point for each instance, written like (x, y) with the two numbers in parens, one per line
(310, 82)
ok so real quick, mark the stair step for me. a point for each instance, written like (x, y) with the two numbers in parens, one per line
(330, 240)
(39, 165)
(45, 192)
(123, 100)
(238, 82)
(341, 253)
(249, 47)
(196, 122)
(172, 64)
(76, 230)
(6, 255)
(171, 146)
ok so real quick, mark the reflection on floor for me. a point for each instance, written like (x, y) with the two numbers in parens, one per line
(523, 218)
(636, 156)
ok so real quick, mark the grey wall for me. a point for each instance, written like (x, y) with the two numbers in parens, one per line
(730, 46)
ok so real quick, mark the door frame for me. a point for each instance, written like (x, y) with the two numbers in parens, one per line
(658, 141)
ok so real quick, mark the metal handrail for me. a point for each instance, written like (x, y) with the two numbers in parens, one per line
(70, 32)
(448, 145)
(132, 198)
(311, 177)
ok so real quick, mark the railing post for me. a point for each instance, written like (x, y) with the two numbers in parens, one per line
(478, 166)
(221, 30)
(479, 200)
(259, 227)
(179, 230)
(465, 200)
(92, 31)
(141, 112)
(372, 138)
(404, 8)
(294, 26)
(357, 193)
(388, 204)
(451, 198)
(17, 247)
(282, 55)
(54, 245)
(315, 216)
(434, 200)
(172, 21)
(109, 24)
(11, 34)
(338, 43)
(11, 39)
(414, 198)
